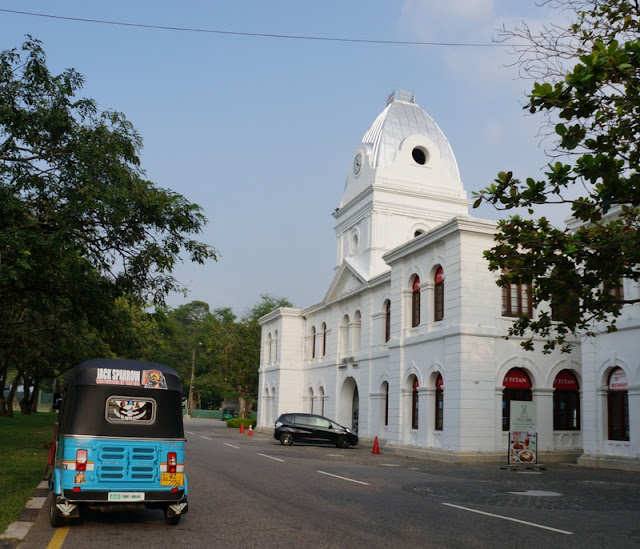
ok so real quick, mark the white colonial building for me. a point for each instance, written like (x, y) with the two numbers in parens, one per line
(407, 344)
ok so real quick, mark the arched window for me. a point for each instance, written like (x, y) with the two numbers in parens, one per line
(516, 299)
(275, 346)
(414, 404)
(618, 405)
(566, 402)
(415, 302)
(344, 336)
(310, 400)
(356, 331)
(517, 387)
(268, 349)
(385, 387)
(387, 321)
(321, 401)
(438, 296)
(313, 342)
(324, 339)
(439, 404)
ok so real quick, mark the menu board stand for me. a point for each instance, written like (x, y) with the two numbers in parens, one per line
(523, 450)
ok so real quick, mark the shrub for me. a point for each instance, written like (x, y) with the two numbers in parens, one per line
(237, 421)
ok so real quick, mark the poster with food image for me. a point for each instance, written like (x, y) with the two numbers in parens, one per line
(522, 447)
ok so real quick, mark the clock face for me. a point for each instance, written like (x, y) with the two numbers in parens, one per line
(357, 164)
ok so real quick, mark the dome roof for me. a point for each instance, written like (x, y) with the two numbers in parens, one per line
(400, 119)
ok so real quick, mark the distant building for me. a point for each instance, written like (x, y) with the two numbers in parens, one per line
(407, 344)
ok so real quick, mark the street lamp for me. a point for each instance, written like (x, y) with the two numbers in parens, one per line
(193, 369)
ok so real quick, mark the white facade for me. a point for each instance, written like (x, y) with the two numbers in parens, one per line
(357, 357)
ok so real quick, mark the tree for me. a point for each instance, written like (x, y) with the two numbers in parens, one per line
(592, 113)
(80, 226)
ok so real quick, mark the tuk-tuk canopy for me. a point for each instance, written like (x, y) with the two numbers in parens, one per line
(122, 398)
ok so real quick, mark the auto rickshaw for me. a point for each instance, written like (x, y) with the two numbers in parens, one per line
(119, 442)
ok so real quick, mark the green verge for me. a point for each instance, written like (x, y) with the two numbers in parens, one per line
(24, 441)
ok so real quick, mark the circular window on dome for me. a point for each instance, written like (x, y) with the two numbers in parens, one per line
(420, 155)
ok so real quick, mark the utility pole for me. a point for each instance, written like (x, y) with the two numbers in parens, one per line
(193, 369)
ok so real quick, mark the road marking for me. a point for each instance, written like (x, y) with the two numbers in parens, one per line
(202, 436)
(509, 518)
(344, 478)
(189, 433)
(232, 446)
(58, 538)
(390, 464)
(271, 457)
(538, 493)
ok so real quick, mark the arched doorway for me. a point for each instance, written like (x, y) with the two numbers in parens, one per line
(349, 410)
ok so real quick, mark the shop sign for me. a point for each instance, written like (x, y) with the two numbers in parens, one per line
(618, 380)
(522, 416)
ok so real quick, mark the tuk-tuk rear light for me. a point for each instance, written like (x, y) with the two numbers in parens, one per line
(75, 489)
(81, 460)
(175, 489)
(172, 462)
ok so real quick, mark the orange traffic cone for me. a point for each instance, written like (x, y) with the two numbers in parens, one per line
(250, 433)
(376, 448)
(242, 428)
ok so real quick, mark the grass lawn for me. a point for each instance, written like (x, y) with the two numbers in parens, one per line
(23, 453)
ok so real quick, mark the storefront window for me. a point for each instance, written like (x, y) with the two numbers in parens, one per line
(618, 405)
(517, 386)
(566, 402)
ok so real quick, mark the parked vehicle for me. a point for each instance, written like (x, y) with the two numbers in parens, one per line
(292, 428)
(229, 413)
(119, 441)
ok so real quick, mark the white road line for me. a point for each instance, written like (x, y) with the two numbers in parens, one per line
(271, 457)
(509, 518)
(344, 478)
(202, 436)
(189, 433)
(231, 446)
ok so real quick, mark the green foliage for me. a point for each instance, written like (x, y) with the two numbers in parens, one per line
(80, 226)
(24, 451)
(237, 421)
(596, 105)
(223, 351)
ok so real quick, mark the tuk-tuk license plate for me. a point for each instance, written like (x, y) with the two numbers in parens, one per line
(172, 479)
(125, 496)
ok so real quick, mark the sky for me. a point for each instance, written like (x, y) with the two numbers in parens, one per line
(259, 131)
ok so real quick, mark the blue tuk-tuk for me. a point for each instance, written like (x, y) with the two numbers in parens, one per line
(119, 441)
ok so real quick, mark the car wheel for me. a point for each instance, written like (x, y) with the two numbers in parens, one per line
(286, 439)
(54, 518)
(342, 442)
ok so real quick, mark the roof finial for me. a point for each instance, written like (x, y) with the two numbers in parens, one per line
(401, 95)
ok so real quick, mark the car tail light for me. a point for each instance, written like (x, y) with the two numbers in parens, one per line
(172, 462)
(81, 460)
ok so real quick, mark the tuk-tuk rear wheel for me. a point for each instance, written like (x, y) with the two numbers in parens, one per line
(171, 520)
(54, 518)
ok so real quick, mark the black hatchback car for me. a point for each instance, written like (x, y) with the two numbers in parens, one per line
(292, 428)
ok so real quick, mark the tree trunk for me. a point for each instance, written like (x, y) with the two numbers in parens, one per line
(35, 395)
(12, 392)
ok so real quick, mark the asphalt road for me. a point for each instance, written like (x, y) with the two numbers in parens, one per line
(249, 491)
